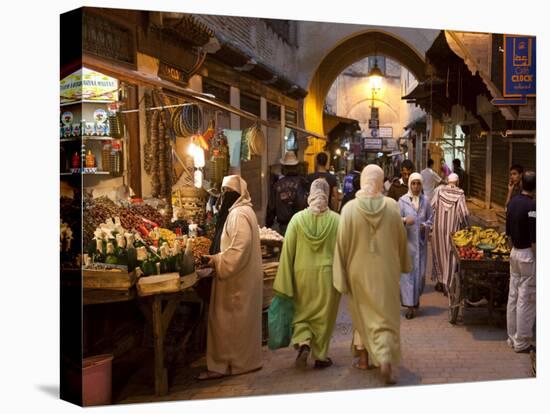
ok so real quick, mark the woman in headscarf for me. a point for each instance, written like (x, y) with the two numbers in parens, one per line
(234, 341)
(371, 253)
(417, 218)
(305, 275)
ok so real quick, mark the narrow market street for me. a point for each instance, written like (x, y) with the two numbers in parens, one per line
(433, 352)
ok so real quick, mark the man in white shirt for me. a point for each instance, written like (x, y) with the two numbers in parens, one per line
(430, 180)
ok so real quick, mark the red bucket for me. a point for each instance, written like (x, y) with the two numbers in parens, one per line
(96, 380)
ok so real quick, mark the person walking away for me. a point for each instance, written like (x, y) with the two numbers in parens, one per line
(371, 253)
(349, 186)
(417, 218)
(234, 338)
(400, 187)
(445, 170)
(514, 184)
(450, 214)
(321, 161)
(521, 228)
(288, 195)
(430, 180)
(305, 275)
(458, 170)
(351, 195)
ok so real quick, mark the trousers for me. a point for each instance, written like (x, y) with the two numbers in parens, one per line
(521, 308)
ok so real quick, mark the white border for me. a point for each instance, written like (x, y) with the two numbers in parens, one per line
(30, 203)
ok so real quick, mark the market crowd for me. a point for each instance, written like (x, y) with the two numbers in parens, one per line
(373, 248)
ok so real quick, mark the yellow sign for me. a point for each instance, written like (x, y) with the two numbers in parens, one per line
(86, 84)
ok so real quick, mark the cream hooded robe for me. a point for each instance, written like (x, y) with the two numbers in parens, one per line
(371, 253)
(234, 343)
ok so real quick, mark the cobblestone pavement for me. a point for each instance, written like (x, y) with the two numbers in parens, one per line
(433, 352)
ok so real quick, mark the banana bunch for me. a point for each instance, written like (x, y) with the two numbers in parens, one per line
(475, 235)
(463, 237)
(501, 244)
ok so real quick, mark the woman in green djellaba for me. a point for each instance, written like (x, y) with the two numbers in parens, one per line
(305, 276)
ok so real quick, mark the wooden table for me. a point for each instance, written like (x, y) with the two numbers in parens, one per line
(158, 310)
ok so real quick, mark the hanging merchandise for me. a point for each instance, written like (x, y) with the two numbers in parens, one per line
(192, 119)
(245, 145)
(234, 142)
(115, 124)
(256, 140)
(155, 180)
(210, 131)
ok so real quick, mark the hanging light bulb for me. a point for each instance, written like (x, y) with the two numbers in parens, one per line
(375, 78)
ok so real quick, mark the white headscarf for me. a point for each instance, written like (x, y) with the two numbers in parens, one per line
(372, 182)
(452, 178)
(318, 196)
(414, 198)
(236, 183)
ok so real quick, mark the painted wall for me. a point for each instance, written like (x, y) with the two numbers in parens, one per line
(350, 96)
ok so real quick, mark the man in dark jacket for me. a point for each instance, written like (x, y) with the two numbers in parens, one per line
(400, 186)
(288, 195)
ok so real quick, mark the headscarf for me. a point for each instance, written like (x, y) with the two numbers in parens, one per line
(415, 199)
(235, 195)
(318, 196)
(452, 179)
(372, 182)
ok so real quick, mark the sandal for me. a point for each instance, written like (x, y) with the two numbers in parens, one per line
(301, 359)
(409, 314)
(388, 374)
(209, 375)
(322, 364)
(357, 364)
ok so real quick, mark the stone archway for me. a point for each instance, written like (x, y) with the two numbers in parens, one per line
(347, 52)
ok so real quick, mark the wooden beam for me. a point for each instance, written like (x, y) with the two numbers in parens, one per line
(161, 377)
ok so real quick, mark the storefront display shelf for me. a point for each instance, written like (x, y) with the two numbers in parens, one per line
(87, 138)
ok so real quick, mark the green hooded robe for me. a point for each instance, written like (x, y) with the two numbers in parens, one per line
(305, 275)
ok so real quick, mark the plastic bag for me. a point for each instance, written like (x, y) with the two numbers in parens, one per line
(279, 320)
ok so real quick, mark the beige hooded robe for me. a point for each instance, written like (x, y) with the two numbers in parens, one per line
(234, 343)
(371, 253)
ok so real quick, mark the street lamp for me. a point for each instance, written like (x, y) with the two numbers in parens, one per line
(375, 78)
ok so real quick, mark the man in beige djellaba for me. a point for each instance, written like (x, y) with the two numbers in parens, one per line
(371, 253)
(234, 340)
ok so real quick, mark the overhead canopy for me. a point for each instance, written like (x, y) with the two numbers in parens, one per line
(146, 79)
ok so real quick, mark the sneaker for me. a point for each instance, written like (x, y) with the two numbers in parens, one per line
(525, 350)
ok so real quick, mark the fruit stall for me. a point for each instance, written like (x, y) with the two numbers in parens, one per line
(483, 271)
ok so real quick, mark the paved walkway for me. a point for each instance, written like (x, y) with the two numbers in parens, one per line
(433, 352)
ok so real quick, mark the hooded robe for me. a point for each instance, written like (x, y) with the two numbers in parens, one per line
(305, 274)
(234, 342)
(371, 253)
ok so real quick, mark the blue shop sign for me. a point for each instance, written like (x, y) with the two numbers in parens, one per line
(519, 66)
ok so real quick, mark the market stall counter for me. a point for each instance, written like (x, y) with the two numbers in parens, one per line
(483, 272)
(157, 301)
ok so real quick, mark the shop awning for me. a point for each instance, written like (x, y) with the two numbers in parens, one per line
(146, 79)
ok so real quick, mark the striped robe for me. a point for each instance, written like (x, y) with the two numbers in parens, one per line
(450, 215)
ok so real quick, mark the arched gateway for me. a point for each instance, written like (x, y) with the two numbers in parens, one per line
(348, 51)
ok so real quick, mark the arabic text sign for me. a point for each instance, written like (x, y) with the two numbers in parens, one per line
(519, 66)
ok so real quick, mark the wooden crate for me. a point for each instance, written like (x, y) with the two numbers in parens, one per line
(154, 285)
(108, 279)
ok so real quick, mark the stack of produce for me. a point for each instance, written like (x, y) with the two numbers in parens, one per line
(113, 244)
(470, 253)
(201, 247)
(269, 234)
(146, 211)
(488, 239)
